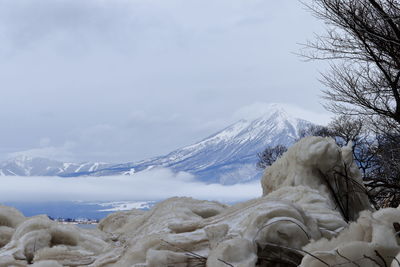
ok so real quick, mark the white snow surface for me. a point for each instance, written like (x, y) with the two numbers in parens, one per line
(297, 211)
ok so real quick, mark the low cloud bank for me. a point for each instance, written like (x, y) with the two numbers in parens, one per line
(149, 185)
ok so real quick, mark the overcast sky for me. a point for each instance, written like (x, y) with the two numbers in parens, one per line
(123, 80)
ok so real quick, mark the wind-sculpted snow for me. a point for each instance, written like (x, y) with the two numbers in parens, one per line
(47, 243)
(320, 164)
(304, 218)
(371, 241)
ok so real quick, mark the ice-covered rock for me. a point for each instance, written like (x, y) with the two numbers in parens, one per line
(195, 230)
(306, 206)
(10, 217)
(371, 241)
(42, 241)
(318, 163)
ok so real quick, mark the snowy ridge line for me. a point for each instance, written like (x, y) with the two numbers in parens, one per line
(226, 153)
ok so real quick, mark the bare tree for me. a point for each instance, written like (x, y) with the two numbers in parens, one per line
(347, 128)
(377, 154)
(364, 36)
(362, 44)
(383, 177)
(270, 155)
(314, 130)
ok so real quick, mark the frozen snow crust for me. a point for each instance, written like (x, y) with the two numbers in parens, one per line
(304, 212)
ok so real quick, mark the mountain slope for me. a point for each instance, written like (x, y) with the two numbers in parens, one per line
(228, 156)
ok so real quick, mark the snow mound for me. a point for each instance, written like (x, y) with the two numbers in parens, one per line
(320, 164)
(371, 241)
(42, 241)
(305, 208)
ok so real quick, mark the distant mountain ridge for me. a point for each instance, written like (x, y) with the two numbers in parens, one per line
(30, 166)
(227, 157)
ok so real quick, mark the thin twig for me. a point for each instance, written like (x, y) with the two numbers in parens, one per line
(297, 250)
(191, 253)
(372, 259)
(227, 263)
(380, 256)
(282, 220)
(356, 264)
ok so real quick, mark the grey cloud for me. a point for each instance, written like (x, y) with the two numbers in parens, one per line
(69, 68)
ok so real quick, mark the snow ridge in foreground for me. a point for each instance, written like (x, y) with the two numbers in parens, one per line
(297, 211)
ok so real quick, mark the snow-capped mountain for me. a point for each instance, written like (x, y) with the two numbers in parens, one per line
(28, 166)
(227, 157)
